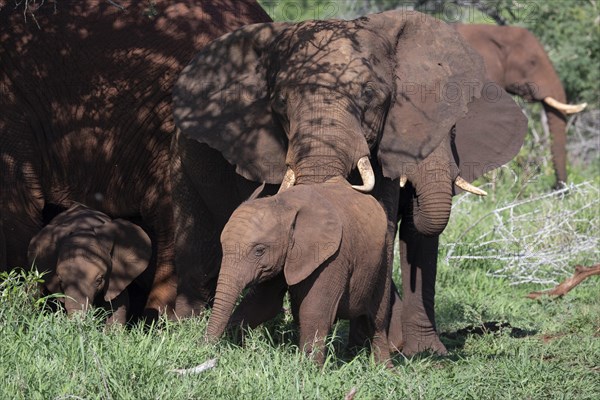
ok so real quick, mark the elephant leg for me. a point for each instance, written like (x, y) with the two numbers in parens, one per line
(388, 193)
(361, 329)
(197, 254)
(394, 334)
(163, 292)
(418, 259)
(380, 345)
(197, 246)
(262, 303)
(315, 301)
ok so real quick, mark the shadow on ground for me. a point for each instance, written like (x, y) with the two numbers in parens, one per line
(456, 340)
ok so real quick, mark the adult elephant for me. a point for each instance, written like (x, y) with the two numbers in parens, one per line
(304, 102)
(85, 94)
(517, 61)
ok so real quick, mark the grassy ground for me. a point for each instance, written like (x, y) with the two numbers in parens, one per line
(546, 349)
(502, 345)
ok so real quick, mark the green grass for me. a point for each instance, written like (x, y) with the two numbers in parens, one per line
(542, 349)
(550, 350)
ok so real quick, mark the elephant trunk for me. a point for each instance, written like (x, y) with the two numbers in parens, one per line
(431, 206)
(433, 181)
(317, 168)
(552, 95)
(229, 289)
(76, 300)
(325, 142)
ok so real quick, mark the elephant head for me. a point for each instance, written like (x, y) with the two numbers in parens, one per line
(90, 258)
(271, 236)
(516, 60)
(305, 102)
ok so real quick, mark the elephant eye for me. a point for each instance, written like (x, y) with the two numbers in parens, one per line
(279, 102)
(99, 281)
(259, 250)
(368, 93)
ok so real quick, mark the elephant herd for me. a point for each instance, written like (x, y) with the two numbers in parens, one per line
(287, 155)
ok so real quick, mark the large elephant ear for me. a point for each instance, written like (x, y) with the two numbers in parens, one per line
(222, 99)
(316, 232)
(436, 75)
(130, 253)
(490, 135)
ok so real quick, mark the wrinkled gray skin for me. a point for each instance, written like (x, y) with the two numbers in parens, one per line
(400, 88)
(326, 243)
(91, 259)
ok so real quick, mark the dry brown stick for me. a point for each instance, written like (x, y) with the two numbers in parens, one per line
(581, 273)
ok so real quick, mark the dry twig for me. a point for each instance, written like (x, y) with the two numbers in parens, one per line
(581, 273)
(533, 240)
(350, 394)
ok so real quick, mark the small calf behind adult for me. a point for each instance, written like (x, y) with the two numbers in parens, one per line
(92, 259)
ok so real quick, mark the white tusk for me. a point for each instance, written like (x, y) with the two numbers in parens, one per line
(367, 175)
(467, 187)
(566, 108)
(288, 180)
(403, 180)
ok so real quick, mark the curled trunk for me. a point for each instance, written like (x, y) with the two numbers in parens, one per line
(432, 204)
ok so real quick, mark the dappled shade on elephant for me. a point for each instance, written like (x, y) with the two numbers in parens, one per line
(318, 98)
(92, 260)
(517, 61)
(85, 94)
(326, 244)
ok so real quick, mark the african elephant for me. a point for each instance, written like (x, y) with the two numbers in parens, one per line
(85, 94)
(517, 61)
(92, 259)
(326, 243)
(301, 103)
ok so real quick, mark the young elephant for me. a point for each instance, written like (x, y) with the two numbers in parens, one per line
(92, 259)
(326, 243)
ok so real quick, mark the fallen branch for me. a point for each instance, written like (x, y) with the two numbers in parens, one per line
(350, 394)
(581, 273)
(198, 369)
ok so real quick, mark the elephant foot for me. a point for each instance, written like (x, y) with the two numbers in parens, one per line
(559, 185)
(415, 344)
(420, 338)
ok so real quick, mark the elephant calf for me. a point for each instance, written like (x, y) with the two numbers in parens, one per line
(325, 244)
(92, 259)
